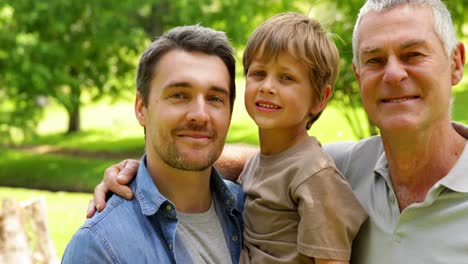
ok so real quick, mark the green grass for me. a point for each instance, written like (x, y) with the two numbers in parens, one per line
(50, 172)
(66, 212)
(96, 140)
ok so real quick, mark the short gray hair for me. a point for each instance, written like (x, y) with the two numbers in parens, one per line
(442, 21)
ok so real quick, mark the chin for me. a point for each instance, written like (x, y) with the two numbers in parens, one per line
(398, 126)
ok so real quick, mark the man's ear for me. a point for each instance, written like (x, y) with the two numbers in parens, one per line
(356, 72)
(458, 62)
(357, 75)
(140, 110)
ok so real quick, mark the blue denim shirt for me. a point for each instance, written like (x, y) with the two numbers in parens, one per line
(143, 230)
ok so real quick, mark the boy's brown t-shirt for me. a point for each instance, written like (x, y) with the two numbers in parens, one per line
(298, 206)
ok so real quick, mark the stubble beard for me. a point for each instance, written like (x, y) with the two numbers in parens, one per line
(174, 158)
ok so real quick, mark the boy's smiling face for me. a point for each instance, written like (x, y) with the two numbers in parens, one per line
(279, 93)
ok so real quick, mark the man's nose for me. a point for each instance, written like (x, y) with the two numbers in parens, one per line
(198, 111)
(395, 72)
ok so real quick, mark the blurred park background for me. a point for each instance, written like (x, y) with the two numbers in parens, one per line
(67, 71)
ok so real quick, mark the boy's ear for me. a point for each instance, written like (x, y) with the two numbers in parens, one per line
(140, 110)
(317, 108)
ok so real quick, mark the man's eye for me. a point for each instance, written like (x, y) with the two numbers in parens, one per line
(373, 61)
(216, 99)
(413, 54)
(177, 96)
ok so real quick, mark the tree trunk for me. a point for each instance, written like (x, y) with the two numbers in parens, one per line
(14, 246)
(74, 120)
(154, 25)
(74, 111)
(24, 236)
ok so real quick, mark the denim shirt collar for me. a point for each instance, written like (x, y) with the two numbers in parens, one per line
(151, 200)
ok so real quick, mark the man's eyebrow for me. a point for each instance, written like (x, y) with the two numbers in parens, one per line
(214, 88)
(412, 43)
(408, 44)
(178, 84)
(370, 50)
(220, 89)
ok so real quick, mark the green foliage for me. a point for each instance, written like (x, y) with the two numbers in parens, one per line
(65, 47)
(68, 49)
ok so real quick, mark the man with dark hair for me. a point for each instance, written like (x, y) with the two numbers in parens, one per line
(183, 212)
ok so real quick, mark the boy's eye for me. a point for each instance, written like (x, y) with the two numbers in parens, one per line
(258, 73)
(286, 77)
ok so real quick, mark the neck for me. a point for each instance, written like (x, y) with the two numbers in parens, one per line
(418, 160)
(274, 141)
(188, 190)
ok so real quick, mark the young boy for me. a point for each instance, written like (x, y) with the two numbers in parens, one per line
(298, 208)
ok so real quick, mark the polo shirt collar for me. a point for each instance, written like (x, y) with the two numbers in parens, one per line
(381, 167)
(456, 179)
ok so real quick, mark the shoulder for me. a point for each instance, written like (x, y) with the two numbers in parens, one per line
(358, 154)
(310, 160)
(87, 246)
(100, 235)
(115, 208)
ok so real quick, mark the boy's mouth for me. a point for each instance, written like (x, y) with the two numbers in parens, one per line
(267, 104)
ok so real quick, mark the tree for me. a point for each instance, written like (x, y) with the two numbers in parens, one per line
(18, 105)
(68, 47)
(64, 48)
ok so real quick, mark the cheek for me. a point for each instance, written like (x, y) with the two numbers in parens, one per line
(222, 121)
(249, 96)
(249, 91)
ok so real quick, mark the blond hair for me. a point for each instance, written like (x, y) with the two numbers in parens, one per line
(304, 39)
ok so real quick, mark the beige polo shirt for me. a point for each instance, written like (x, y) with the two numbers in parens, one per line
(434, 231)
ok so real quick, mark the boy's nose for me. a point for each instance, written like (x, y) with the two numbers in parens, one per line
(267, 87)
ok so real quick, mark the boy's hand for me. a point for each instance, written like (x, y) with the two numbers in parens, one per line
(116, 179)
